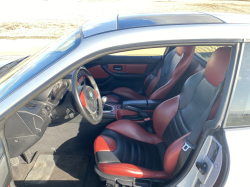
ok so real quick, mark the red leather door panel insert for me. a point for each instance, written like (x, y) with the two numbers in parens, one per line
(98, 73)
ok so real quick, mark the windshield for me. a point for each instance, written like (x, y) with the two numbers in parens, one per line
(33, 65)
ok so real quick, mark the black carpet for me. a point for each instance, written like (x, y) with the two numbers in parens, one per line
(75, 143)
(69, 170)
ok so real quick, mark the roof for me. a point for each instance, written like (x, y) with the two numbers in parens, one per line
(171, 18)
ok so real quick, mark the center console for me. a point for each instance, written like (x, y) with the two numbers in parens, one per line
(136, 110)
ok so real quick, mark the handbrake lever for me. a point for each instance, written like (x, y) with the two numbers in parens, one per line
(137, 110)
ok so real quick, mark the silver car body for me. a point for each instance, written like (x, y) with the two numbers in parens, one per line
(103, 37)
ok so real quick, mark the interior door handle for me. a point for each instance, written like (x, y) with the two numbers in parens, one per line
(122, 75)
(117, 68)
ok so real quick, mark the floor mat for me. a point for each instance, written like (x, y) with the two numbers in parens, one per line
(68, 170)
(42, 170)
(69, 139)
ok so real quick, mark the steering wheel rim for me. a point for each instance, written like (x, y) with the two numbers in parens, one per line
(90, 112)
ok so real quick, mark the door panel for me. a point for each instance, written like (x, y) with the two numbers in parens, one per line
(98, 73)
(4, 168)
(211, 153)
(111, 72)
(128, 68)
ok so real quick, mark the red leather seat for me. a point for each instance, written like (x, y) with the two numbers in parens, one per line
(173, 67)
(124, 148)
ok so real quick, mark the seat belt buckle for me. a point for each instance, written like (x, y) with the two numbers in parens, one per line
(187, 145)
(149, 125)
(151, 76)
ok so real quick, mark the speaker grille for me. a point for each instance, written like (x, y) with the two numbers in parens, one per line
(213, 151)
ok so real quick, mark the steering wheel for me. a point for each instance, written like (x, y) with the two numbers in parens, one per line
(86, 97)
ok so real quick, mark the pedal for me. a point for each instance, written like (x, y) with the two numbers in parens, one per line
(28, 156)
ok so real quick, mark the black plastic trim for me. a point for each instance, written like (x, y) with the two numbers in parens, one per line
(113, 59)
(141, 20)
(152, 104)
(142, 104)
(133, 118)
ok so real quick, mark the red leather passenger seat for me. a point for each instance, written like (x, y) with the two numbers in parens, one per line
(124, 148)
(175, 64)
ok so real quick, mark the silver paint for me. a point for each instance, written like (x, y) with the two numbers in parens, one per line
(121, 39)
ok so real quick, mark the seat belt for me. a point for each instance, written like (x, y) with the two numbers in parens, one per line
(154, 73)
(191, 139)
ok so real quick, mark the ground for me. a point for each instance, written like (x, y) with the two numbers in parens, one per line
(50, 19)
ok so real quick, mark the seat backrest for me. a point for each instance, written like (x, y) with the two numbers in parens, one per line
(176, 117)
(175, 64)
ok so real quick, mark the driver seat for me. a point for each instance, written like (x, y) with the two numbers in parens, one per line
(125, 149)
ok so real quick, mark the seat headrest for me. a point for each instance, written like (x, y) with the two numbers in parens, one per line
(186, 49)
(217, 65)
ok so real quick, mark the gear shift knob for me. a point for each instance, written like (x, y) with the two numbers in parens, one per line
(104, 99)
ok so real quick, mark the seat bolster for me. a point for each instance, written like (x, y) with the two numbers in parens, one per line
(130, 170)
(133, 130)
(217, 65)
(172, 154)
(129, 93)
(164, 113)
(104, 143)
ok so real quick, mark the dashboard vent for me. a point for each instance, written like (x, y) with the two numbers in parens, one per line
(213, 151)
(198, 183)
(30, 105)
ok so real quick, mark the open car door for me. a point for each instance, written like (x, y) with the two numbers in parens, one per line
(5, 175)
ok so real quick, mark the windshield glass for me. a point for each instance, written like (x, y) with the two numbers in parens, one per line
(36, 63)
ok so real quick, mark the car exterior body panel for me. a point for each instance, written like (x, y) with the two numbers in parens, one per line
(237, 140)
(117, 40)
(95, 27)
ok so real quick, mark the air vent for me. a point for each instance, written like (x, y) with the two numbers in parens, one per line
(213, 151)
(198, 183)
(30, 105)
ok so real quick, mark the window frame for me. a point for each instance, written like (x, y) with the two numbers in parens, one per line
(234, 84)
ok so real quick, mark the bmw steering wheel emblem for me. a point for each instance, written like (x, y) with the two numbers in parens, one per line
(90, 94)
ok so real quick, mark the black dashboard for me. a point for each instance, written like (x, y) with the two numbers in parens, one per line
(27, 125)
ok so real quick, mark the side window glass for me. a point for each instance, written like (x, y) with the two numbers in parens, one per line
(204, 52)
(142, 52)
(239, 111)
